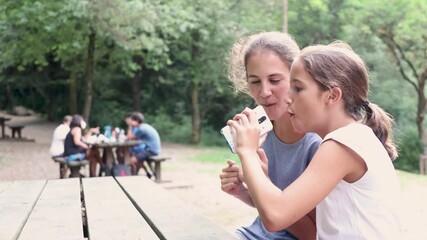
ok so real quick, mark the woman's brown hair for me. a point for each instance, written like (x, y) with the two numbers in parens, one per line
(281, 44)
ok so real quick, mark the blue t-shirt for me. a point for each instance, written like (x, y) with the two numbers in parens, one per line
(286, 162)
(149, 137)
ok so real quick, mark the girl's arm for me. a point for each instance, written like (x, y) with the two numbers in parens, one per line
(305, 228)
(280, 209)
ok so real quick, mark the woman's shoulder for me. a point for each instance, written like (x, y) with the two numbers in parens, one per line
(311, 137)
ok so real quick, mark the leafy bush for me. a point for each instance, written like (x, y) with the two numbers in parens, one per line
(410, 148)
(212, 137)
(172, 130)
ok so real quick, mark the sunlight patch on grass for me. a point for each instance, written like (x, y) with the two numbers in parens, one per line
(2, 160)
(408, 179)
(216, 155)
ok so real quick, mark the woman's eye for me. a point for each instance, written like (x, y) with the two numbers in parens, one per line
(275, 81)
(254, 81)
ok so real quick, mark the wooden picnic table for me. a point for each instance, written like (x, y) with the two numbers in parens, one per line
(109, 157)
(131, 207)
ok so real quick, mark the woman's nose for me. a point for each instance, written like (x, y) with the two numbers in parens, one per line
(265, 91)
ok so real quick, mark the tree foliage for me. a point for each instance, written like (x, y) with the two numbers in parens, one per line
(166, 58)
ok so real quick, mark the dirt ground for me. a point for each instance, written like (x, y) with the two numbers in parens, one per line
(196, 183)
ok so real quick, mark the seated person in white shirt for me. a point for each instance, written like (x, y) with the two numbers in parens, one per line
(57, 145)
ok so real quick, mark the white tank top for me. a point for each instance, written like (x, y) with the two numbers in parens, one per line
(370, 207)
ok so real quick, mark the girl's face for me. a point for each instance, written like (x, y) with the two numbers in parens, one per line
(268, 81)
(307, 108)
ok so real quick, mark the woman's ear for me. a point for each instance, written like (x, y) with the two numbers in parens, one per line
(335, 94)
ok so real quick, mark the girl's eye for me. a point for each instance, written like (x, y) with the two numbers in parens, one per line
(296, 89)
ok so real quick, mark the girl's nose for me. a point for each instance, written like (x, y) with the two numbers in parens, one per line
(288, 100)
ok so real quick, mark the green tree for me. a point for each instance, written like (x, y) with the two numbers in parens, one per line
(399, 26)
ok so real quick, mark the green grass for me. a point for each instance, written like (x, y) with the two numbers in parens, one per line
(216, 155)
(2, 160)
(407, 179)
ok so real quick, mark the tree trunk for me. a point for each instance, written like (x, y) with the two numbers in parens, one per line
(50, 106)
(195, 133)
(136, 85)
(285, 16)
(89, 75)
(73, 94)
(10, 102)
(194, 91)
(421, 110)
(136, 89)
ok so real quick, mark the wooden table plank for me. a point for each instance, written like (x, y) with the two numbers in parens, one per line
(4, 185)
(110, 213)
(16, 204)
(57, 214)
(173, 218)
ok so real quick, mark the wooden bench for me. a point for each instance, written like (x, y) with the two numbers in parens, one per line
(99, 208)
(157, 160)
(74, 167)
(16, 129)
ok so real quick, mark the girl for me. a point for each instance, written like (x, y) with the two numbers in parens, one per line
(350, 180)
(259, 65)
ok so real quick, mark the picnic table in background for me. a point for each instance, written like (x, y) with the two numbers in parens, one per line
(131, 207)
(109, 157)
(3, 120)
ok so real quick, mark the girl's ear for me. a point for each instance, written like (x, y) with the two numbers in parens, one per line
(335, 94)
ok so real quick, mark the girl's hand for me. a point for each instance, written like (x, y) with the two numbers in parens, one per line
(247, 131)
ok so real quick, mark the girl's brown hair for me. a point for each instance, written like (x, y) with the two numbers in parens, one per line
(337, 65)
(281, 44)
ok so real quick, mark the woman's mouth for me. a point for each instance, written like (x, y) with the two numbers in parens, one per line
(268, 105)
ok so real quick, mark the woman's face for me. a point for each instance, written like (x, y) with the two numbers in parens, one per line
(306, 106)
(268, 81)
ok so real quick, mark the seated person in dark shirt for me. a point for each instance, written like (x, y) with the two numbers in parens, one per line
(76, 149)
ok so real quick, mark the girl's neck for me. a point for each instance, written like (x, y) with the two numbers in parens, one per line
(285, 131)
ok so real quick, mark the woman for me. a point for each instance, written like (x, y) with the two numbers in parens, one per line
(259, 65)
(76, 149)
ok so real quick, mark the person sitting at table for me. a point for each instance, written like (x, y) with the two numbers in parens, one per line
(75, 148)
(57, 146)
(150, 141)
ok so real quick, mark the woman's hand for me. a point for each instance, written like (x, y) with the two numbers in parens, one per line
(232, 182)
(232, 179)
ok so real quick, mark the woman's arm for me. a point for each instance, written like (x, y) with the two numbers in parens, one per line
(77, 136)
